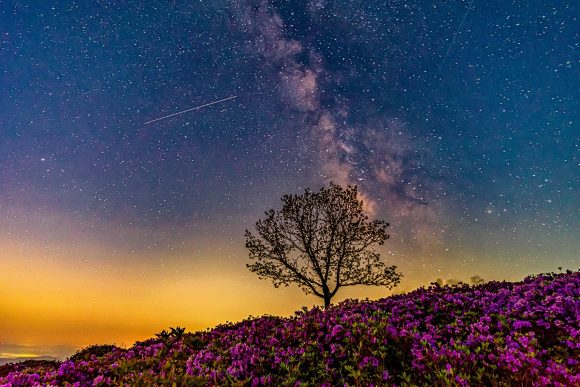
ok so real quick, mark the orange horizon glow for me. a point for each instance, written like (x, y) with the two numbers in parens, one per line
(71, 292)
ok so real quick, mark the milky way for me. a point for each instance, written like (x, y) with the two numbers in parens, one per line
(374, 152)
(457, 120)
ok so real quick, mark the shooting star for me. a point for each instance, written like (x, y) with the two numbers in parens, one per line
(455, 35)
(188, 110)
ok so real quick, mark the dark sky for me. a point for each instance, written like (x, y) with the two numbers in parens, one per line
(458, 120)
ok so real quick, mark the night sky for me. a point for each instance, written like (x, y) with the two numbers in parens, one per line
(458, 121)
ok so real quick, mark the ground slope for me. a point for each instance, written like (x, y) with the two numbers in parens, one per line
(498, 333)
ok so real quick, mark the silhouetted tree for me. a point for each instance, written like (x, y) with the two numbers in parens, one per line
(322, 242)
(453, 282)
(476, 280)
(450, 282)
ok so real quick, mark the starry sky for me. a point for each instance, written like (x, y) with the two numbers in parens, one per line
(457, 120)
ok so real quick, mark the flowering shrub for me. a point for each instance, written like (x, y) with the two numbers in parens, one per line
(96, 350)
(497, 333)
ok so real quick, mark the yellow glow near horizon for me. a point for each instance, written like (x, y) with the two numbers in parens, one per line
(56, 299)
(67, 288)
(18, 355)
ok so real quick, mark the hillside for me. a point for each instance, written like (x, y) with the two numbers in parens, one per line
(497, 333)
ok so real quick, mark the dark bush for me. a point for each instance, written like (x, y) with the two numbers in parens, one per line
(94, 350)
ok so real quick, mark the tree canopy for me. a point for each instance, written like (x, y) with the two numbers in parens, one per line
(321, 241)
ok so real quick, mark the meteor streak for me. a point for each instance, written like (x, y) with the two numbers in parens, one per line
(193, 108)
(455, 35)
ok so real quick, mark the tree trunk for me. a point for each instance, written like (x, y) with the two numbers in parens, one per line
(327, 296)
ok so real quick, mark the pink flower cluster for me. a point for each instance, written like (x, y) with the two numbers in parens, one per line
(524, 333)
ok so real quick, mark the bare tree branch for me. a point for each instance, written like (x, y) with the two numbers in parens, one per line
(320, 241)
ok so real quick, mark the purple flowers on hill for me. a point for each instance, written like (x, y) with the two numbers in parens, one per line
(498, 333)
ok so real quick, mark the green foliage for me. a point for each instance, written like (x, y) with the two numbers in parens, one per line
(173, 333)
(163, 335)
(177, 332)
(94, 350)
